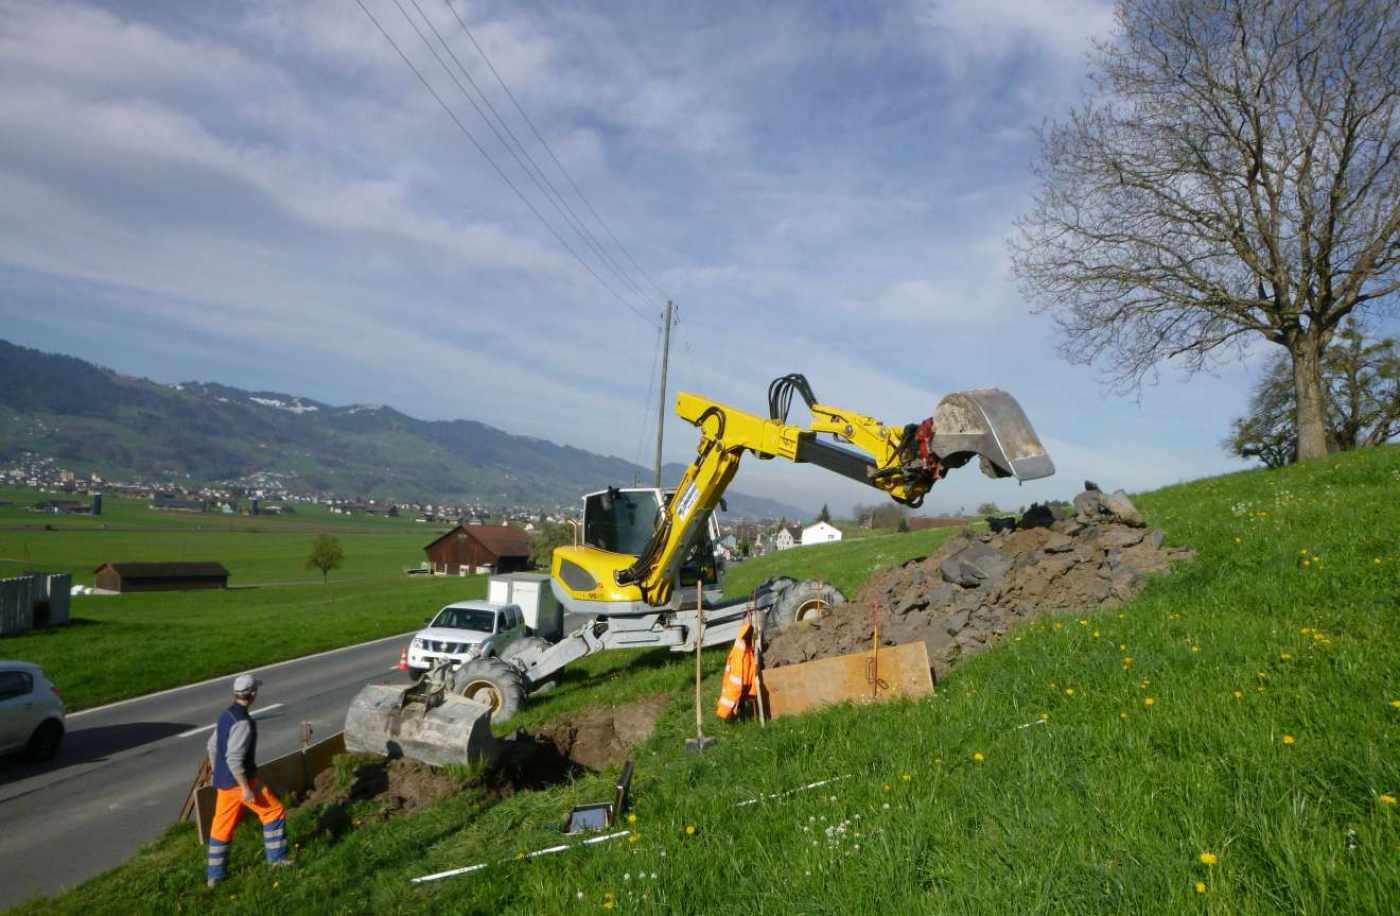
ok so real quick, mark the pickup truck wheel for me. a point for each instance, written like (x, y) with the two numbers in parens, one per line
(803, 603)
(523, 651)
(493, 682)
(44, 743)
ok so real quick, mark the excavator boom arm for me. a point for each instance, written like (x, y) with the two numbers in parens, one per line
(904, 461)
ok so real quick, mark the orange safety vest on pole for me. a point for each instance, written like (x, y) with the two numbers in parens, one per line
(739, 672)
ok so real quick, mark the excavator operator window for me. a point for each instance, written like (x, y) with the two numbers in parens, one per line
(625, 526)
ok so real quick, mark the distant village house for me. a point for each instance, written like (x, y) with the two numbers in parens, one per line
(820, 533)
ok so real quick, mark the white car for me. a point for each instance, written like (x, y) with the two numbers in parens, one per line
(463, 631)
(31, 711)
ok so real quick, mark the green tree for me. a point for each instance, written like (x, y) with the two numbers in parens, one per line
(326, 555)
(903, 527)
(988, 509)
(1234, 177)
(1361, 391)
(824, 515)
(547, 537)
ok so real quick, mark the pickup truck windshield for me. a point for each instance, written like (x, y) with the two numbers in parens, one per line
(456, 618)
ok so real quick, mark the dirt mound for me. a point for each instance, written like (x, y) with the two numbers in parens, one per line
(977, 586)
(601, 737)
(402, 785)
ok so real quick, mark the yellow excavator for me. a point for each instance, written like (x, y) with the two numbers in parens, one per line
(632, 597)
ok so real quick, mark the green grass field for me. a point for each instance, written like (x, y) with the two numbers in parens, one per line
(1228, 743)
(275, 609)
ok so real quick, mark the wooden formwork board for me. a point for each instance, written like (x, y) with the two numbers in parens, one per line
(903, 670)
(288, 775)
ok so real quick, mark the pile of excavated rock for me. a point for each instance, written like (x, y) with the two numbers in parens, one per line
(977, 586)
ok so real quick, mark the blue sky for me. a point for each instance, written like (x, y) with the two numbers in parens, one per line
(263, 194)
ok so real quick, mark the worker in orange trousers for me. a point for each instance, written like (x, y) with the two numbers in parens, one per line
(233, 750)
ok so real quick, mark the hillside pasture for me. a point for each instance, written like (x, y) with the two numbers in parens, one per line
(1229, 742)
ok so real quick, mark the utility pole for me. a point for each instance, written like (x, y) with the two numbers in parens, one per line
(661, 405)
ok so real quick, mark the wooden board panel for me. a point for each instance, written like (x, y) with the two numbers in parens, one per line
(797, 688)
(289, 774)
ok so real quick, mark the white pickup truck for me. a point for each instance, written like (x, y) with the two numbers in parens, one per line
(463, 631)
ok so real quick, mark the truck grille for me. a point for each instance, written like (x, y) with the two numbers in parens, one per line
(451, 648)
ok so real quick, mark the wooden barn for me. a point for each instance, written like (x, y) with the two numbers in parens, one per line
(160, 577)
(469, 548)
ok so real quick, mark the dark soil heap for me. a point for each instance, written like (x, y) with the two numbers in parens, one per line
(977, 586)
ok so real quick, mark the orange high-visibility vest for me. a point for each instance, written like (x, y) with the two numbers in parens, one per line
(739, 672)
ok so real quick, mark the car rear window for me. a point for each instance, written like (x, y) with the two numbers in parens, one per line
(15, 684)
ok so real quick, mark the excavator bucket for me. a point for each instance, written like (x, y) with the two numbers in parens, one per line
(424, 721)
(988, 422)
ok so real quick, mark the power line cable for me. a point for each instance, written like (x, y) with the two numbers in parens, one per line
(550, 150)
(487, 156)
(462, 89)
(533, 170)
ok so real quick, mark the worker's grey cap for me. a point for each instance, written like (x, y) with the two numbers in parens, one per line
(246, 683)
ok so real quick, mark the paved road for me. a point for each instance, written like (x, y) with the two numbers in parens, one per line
(125, 769)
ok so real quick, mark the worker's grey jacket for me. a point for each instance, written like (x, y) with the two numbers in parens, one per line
(236, 736)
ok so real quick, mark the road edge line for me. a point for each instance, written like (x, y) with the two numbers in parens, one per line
(220, 677)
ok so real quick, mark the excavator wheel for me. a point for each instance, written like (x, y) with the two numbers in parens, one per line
(492, 682)
(803, 602)
(523, 651)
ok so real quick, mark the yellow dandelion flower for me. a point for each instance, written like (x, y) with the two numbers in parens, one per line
(1386, 799)
(1122, 715)
(690, 830)
(1395, 703)
(888, 787)
(1209, 858)
(1195, 648)
(1239, 694)
(1058, 625)
(634, 838)
(1239, 540)
(1045, 717)
(1319, 636)
(1150, 701)
(1305, 630)
(1377, 561)
(1289, 739)
(906, 776)
(609, 904)
(978, 757)
(1200, 887)
(1083, 622)
(1096, 634)
(1069, 691)
(1122, 647)
(631, 818)
(1285, 656)
(1303, 552)
(1307, 563)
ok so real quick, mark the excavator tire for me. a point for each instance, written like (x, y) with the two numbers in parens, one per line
(528, 647)
(493, 682)
(802, 602)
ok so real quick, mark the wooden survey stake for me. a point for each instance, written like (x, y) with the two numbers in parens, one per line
(791, 689)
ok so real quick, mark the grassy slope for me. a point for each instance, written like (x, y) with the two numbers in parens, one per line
(133, 644)
(1107, 807)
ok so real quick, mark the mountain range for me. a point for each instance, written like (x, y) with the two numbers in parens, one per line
(90, 418)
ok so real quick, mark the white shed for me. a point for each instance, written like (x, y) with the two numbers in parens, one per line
(820, 533)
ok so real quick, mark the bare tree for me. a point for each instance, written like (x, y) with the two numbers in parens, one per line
(1234, 175)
